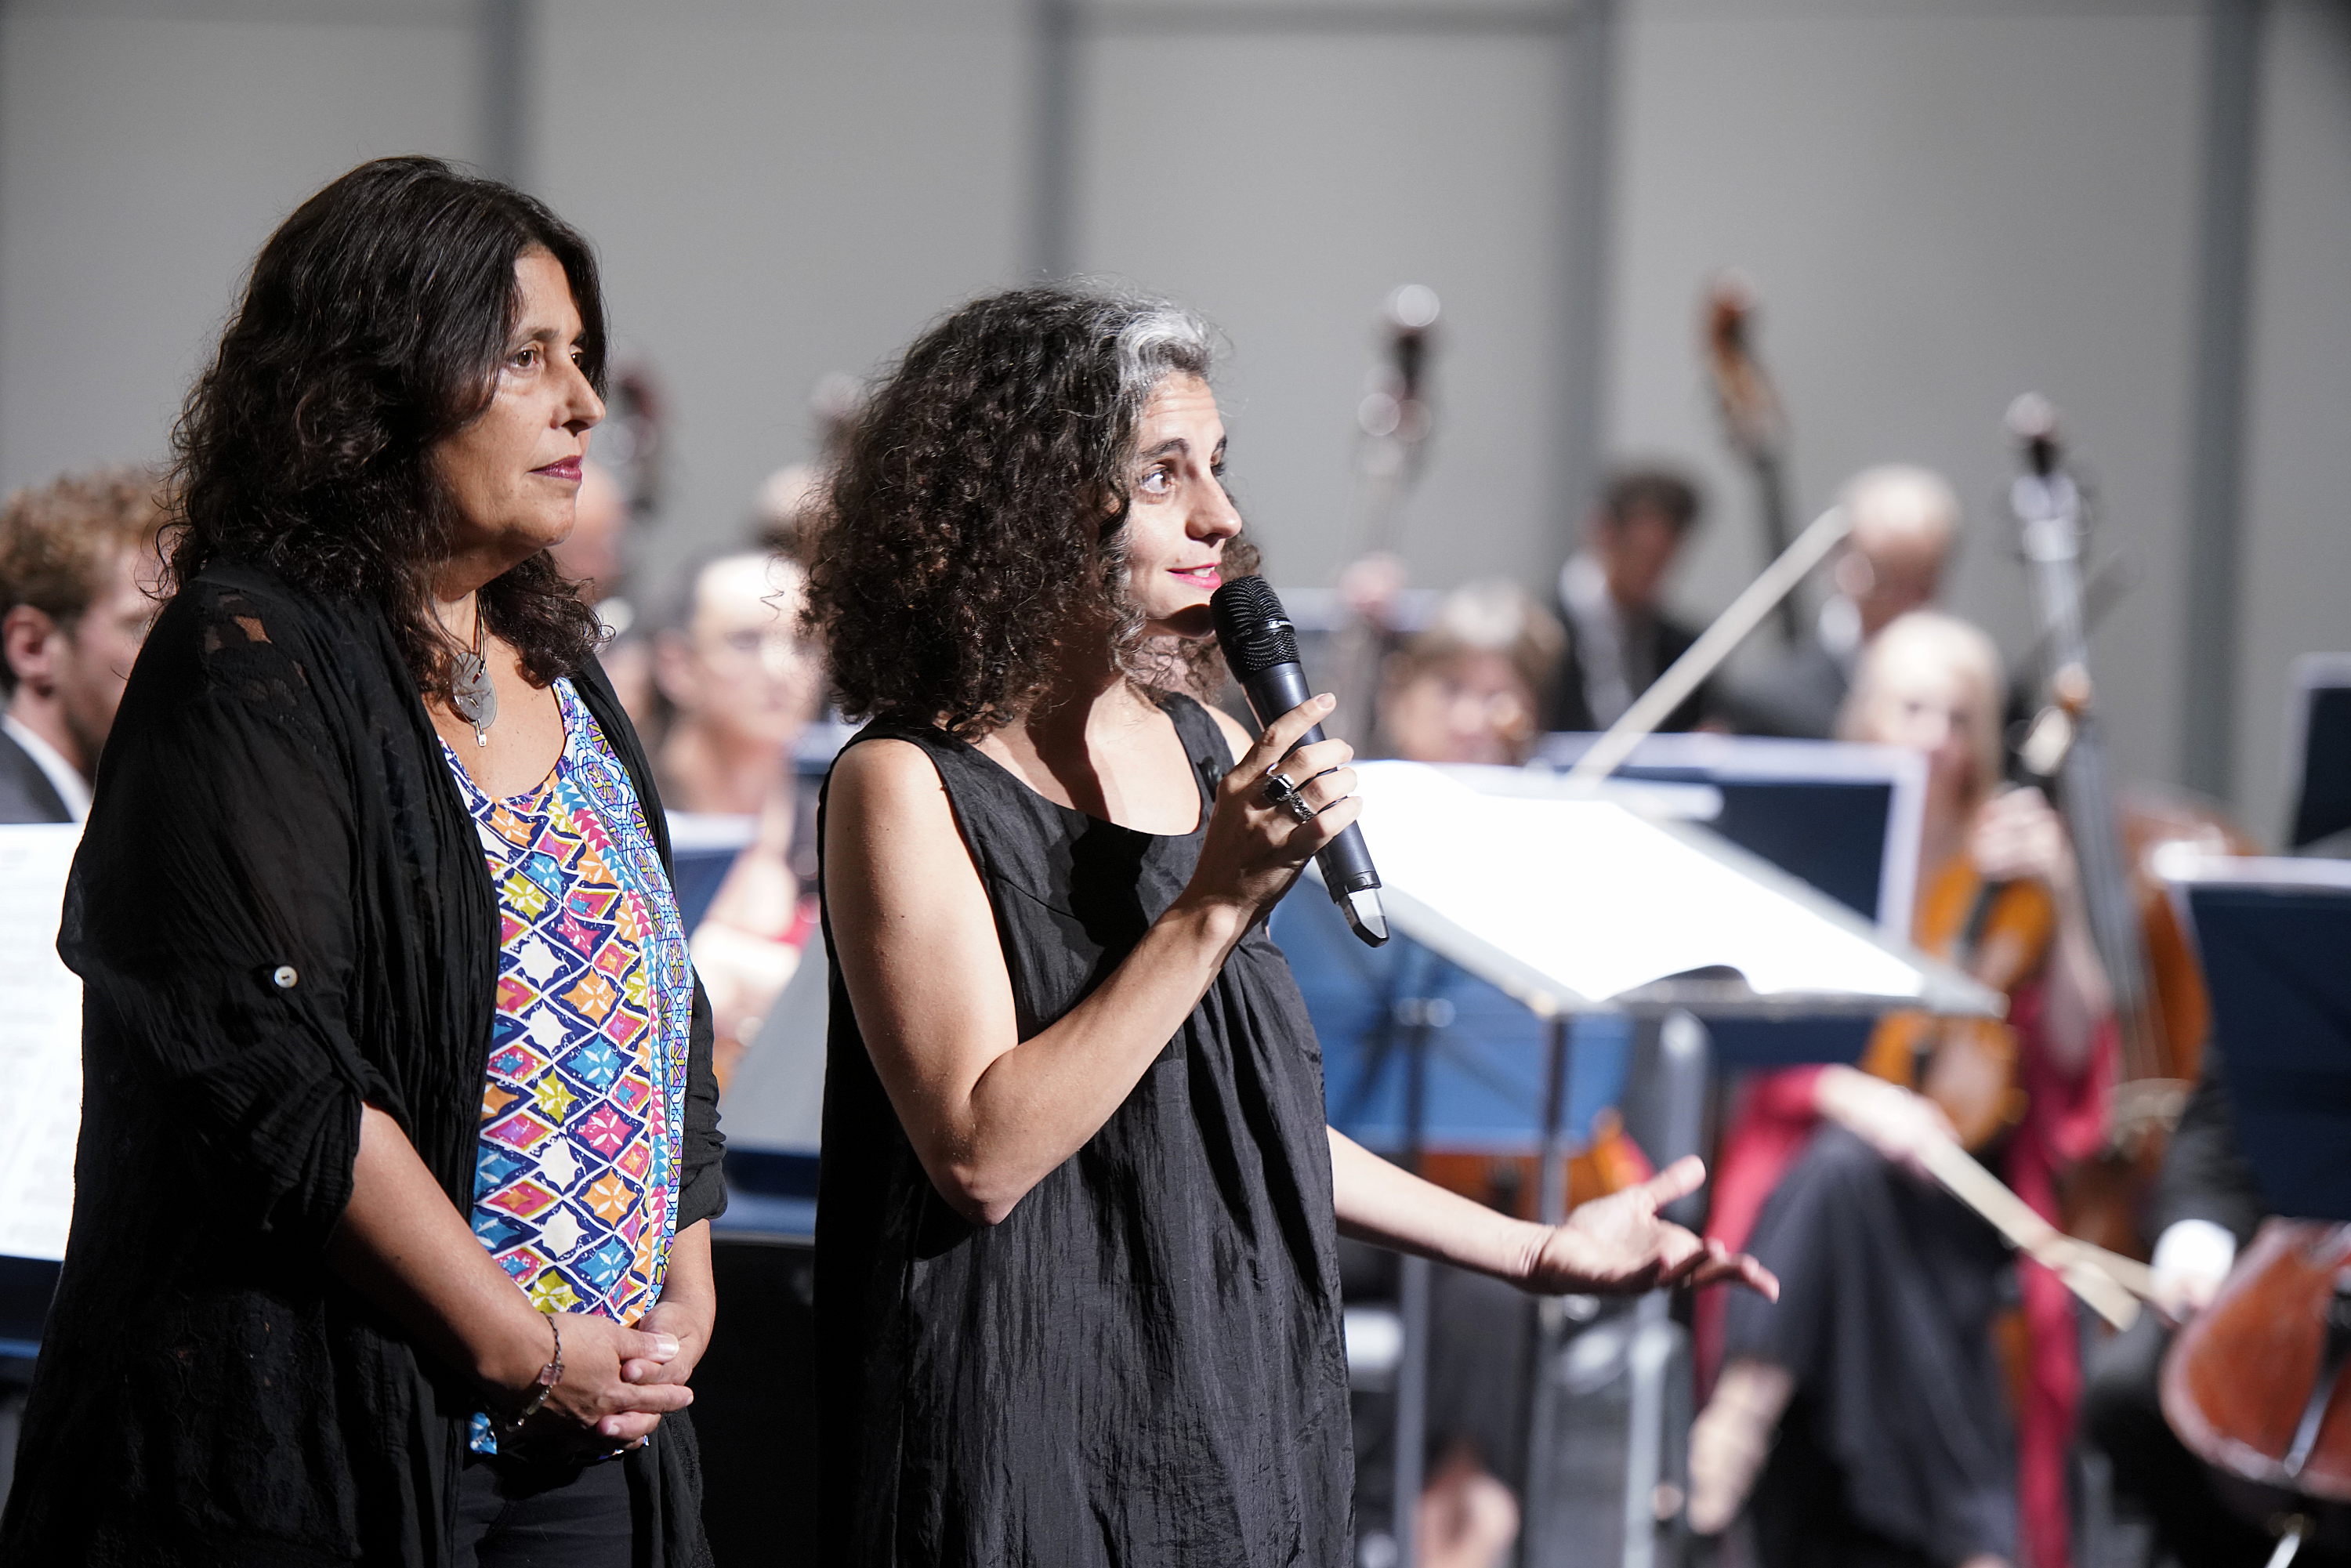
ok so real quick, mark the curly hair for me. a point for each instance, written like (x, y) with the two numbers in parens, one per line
(974, 521)
(373, 327)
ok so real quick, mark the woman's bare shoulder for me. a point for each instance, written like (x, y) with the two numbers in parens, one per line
(886, 775)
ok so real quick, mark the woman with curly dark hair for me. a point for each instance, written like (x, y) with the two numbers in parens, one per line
(1076, 1294)
(399, 1138)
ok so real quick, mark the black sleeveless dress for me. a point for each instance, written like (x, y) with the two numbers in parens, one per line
(1142, 1365)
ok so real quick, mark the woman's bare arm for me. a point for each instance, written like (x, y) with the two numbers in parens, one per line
(1617, 1244)
(989, 1114)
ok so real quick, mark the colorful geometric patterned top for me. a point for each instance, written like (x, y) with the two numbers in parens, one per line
(583, 1112)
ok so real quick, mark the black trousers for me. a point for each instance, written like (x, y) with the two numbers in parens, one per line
(1896, 1451)
(513, 1514)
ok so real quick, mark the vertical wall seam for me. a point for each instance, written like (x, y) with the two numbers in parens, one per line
(503, 81)
(1053, 149)
(1586, 208)
(2211, 620)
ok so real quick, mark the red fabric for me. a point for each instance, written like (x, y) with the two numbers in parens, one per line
(804, 922)
(2064, 1121)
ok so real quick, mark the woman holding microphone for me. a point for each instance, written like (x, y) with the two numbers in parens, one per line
(1076, 1297)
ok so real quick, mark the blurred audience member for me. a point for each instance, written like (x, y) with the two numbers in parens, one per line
(77, 560)
(596, 555)
(1612, 593)
(1906, 521)
(741, 684)
(1471, 687)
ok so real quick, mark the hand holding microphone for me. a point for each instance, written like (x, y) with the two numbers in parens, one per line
(1261, 648)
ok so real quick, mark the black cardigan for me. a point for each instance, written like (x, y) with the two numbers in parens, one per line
(274, 794)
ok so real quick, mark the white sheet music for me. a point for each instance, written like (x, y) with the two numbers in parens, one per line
(1600, 901)
(40, 1043)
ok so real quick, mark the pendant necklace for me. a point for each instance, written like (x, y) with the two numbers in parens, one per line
(470, 694)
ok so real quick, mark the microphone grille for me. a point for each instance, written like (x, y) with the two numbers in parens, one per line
(1251, 626)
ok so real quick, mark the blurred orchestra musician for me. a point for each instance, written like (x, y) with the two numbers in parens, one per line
(1905, 522)
(1878, 1367)
(78, 563)
(787, 509)
(790, 500)
(2205, 1207)
(1612, 596)
(596, 557)
(741, 681)
(1471, 687)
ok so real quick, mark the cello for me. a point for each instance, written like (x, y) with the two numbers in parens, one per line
(2256, 1383)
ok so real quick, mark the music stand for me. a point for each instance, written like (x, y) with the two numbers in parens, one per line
(2272, 934)
(2318, 753)
(773, 1106)
(773, 1109)
(1574, 902)
(1840, 816)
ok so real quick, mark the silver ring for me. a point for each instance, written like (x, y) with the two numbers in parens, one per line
(1279, 791)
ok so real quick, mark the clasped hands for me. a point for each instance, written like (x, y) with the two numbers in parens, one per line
(1621, 1244)
(617, 1384)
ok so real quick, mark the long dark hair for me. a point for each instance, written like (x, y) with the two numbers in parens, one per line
(373, 326)
(973, 521)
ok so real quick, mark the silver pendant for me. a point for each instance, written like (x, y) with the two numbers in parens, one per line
(472, 695)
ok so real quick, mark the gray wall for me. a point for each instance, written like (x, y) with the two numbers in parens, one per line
(779, 192)
(1314, 171)
(1943, 204)
(145, 152)
(2297, 590)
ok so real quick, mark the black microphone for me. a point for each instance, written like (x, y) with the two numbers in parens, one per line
(1261, 648)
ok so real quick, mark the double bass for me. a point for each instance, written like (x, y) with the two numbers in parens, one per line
(1998, 933)
(1754, 421)
(2161, 1010)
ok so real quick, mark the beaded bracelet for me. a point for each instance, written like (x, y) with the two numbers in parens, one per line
(548, 1376)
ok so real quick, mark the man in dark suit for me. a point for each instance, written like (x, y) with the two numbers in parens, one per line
(1611, 596)
(1904, 521)
(76, 560)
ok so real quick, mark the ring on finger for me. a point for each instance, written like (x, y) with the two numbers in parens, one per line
(1279, 791)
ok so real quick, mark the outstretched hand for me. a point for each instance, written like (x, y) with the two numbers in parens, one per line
(1620, 1245)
